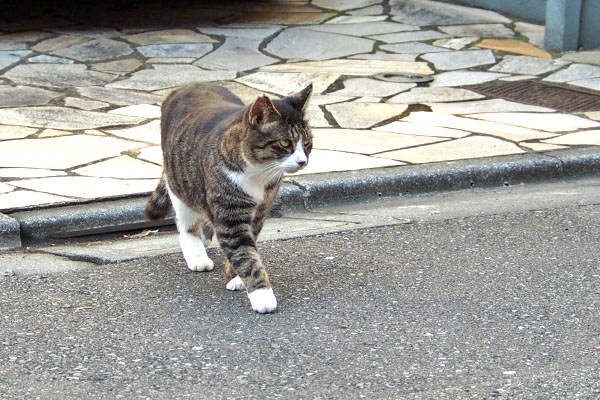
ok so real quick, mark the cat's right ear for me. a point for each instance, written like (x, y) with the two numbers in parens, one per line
(262, 111)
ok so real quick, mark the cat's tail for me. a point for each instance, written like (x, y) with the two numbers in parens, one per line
(159, 204)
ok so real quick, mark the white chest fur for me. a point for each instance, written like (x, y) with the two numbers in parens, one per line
(249, 183)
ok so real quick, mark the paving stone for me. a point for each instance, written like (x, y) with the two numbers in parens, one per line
(514, 46)
(282, 18)
(364, 115)
(527, 65)
(539, 147)
(286, 83)
(591, 138)
(508, 132)
(25, 96)
(409, 36)
(4, 188)
(455, 43)
(371, 87)
(118, 67)
(170, 36)
(328, 161)
(15, 132)
(462, 78)
(381, 56)
(62, 118)
(95, 50)
(353, 67)
(61, 152)
(138, 110)
(422, 129)
(365, 141)
(59, 42)
(546, 122)
(517, 78)
(20, 40)
(357, 19)
(535, 33)
(149, 132)
(236, 54)
(152, 154)
(46, 133)
(249, 33)
(458, 149)
(46, 59)
(119, 97)
(195, 50)
(248, 94)
(368, 99)
(57, 75)
(83, 104)
(122, 167)
(328, 99)
(593, 84)
(29, 173)
(166, 76)
(426, 13)
(412, 47)
(363, 29)
(583, 57)
(482, 106)
(24, 198)
(461, 59)
(343, 5)
(171, 60)
(10, 57)
(89, 31)
(435, 95)
(574, 72)
(595, 115)
(372, 10)
(479, 30)
(316, 117)
(87, 187)
(299, 43)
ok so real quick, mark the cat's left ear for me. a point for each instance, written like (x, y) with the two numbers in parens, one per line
(300, 100)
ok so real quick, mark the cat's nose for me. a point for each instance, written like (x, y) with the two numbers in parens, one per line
(301, 163)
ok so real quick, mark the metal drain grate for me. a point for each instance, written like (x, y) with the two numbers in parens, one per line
(540, 94)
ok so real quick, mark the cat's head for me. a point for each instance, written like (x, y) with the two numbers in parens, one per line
(278, 133)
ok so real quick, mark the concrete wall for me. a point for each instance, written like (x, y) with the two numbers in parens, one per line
(570, 24)
(530, 9)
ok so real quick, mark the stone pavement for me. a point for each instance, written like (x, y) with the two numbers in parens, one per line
(80, 89)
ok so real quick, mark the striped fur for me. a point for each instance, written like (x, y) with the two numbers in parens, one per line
(223, 164)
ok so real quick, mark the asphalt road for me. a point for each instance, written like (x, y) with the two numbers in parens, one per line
(487, 306)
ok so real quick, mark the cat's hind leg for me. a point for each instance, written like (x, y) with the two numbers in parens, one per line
(191, 238)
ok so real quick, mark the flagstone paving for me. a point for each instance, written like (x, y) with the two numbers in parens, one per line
(80, 101)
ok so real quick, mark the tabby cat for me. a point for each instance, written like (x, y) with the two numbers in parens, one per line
(223, 165)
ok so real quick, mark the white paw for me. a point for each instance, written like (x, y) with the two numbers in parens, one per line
(199, 263)
(263, 300)
(235, 284)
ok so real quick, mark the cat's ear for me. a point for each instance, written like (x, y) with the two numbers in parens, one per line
(261, 111)
(300, 100)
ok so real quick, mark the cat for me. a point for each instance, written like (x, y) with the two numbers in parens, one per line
(223, 165)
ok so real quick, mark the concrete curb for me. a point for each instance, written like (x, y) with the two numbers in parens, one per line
(306, 192)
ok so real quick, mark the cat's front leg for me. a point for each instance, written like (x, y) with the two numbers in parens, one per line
(244, 267)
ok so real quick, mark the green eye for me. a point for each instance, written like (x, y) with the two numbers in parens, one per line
(306, 142)
(285, 143)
